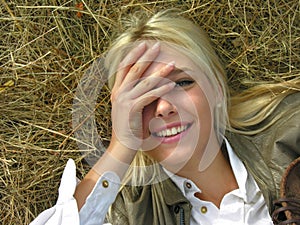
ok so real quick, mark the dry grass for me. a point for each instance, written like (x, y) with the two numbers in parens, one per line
(47, 45)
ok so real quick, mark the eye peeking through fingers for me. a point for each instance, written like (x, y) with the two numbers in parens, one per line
(184, 83)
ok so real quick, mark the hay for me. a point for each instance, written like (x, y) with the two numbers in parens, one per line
(47, 45)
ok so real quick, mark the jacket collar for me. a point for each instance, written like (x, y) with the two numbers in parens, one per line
(171, 192)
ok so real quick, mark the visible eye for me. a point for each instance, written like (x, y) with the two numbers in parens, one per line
(184, 83)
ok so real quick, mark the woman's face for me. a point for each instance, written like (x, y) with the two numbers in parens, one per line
(178, 126)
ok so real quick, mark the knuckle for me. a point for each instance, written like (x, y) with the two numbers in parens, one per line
(135, 69)
(113, 95)
(146, 82)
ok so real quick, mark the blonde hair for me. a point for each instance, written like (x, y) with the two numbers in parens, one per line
(246, 109)
(250, 108)
(167, 26)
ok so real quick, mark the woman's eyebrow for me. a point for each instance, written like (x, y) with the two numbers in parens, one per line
(180, 70)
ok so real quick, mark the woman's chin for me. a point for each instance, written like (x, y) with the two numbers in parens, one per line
(172, 157)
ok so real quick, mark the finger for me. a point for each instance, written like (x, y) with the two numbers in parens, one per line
(152, 95)
(129, 75)
(138, 69)
(128, 61)
(150, 82)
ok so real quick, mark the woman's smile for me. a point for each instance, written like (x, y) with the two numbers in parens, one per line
(172, 132)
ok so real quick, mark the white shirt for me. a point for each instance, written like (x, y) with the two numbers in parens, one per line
(93, 212)
(245, 205)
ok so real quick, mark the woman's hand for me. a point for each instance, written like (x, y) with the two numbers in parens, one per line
(131, 94)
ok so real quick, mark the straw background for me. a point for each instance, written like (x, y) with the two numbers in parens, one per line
(45, 47)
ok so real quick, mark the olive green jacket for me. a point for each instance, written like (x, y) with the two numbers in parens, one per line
(265, 155)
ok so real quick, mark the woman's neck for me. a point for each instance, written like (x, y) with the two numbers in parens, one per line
(215, 181)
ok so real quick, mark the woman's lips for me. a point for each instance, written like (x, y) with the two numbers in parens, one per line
(172, 133)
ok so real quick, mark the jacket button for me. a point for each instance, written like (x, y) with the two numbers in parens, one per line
(188, 185)
(105, 184)
(176, 209)
(203, 209)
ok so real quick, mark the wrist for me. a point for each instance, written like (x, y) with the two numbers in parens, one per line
(121, 152)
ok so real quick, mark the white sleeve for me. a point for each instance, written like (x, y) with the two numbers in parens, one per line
(97, 203)
(65, 212)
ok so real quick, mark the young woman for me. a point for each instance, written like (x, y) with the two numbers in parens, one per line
(169, 146)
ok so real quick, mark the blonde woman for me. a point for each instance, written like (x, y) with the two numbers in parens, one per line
(175, 157)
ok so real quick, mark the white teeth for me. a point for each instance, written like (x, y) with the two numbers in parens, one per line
(171, 132)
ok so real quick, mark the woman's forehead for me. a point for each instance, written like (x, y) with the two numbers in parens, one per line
(168, 55)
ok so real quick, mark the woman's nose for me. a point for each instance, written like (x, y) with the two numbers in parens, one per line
(164, 108)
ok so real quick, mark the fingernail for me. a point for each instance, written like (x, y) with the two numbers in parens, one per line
(142, 44)
(155, 46)
(172, 84)
(171, 64)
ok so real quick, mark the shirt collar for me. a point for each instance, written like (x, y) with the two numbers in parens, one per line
(247, 185)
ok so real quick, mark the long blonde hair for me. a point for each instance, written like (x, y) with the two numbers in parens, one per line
(251, 107)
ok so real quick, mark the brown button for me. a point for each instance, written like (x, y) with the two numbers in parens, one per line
(105, 183)
(188, 185)
(203, 209)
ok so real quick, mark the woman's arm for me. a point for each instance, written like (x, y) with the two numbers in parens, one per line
(117, 159)
(129, 96)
